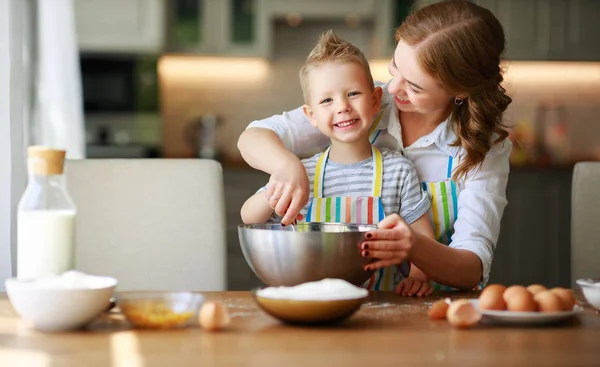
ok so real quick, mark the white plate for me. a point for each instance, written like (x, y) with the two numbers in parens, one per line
(524, 318)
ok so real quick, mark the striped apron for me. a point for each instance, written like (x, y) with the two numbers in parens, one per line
(443, 213)
(354, 209)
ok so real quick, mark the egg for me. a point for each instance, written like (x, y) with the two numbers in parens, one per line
(548, 301)
(214, 316)
(439, 309)
(513, 289)
(566, 296)
(520, 299)
(491, 298)
(536, 288)
(462, 314)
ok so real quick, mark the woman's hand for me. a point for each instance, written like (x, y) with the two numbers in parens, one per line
(390, 244)
(287, 190)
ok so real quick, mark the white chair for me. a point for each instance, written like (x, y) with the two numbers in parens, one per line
(585, 221)
(154, 224)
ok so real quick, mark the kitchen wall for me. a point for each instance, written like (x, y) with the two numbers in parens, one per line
(241, 90)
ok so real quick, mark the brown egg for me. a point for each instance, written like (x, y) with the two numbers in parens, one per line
(462, 313)
(491, 298)
(566, 296)
(513, 289)
(438, 309)
(536, 288)
(548, 301)
(520, 300)
(213, 316)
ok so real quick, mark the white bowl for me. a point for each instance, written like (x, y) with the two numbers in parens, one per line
(591, 291)
(60, 308)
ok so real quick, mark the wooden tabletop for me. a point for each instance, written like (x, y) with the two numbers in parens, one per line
(387, 330)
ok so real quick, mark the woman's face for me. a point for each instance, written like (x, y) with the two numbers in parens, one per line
(414, 90)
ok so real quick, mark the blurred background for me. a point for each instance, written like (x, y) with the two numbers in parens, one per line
(183, 78)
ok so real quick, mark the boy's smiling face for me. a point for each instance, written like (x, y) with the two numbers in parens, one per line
(341, 102)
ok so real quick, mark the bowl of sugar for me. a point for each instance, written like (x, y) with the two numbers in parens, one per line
(327, 301)
(68, 301)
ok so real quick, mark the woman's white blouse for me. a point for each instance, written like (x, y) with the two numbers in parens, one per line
(481, 197)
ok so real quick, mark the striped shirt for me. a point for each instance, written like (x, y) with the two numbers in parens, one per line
(401, 192)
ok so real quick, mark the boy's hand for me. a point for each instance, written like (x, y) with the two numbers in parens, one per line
(413, 286)
(288, 190)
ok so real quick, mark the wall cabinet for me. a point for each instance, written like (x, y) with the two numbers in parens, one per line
(246, 27)
(217, 27)
(545, 30)
(556, 30)
(535, 29)
(120, 25)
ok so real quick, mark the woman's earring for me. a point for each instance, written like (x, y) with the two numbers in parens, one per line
(458, 101)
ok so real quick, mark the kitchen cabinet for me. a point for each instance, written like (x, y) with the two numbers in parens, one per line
(582, 36)
(217, 27)
(120, 25)
(544, 30)
(389, 14)
(245, 27)
(556, 30)
(535, 235)
(240, 184)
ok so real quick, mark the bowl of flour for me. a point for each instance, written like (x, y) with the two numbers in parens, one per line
(326, 301)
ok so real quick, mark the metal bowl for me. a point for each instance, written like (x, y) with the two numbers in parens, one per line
(290, 255)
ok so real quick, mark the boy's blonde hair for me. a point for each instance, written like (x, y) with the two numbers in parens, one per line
(332, 48)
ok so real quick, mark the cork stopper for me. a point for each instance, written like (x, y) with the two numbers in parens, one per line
(45, 161)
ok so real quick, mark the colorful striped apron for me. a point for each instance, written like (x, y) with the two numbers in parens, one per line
(353, 209)
(443, 213)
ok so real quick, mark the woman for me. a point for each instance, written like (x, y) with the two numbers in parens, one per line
(443, 109)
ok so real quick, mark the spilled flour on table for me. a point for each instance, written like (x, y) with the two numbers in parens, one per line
(389, 310)
(241, 308)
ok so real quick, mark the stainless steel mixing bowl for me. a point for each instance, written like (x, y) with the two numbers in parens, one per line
(291, 255)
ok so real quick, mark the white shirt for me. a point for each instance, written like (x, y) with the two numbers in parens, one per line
(481, 196)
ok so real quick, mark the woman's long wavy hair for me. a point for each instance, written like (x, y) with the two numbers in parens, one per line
(460, 44)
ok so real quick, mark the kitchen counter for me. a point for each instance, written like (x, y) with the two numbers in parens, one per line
(387, 330)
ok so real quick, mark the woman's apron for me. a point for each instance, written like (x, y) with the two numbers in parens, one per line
(444, 210)
(353, 209)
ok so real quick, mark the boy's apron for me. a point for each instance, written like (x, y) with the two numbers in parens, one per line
(353, 209)
(443, 213)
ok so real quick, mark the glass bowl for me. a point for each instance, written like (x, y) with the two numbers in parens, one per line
(160, 310)
(591, 291)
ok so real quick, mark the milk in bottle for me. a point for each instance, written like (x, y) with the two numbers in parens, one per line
(45, 218)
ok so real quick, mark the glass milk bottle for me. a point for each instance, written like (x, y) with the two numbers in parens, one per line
(46, 217)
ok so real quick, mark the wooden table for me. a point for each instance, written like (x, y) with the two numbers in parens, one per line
(387, 330)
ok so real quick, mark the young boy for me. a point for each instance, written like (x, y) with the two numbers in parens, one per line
(352, 181)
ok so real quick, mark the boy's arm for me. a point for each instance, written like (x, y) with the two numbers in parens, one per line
(256, 209)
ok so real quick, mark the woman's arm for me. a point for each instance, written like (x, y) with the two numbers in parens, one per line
(452, 267)
(481, 205)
